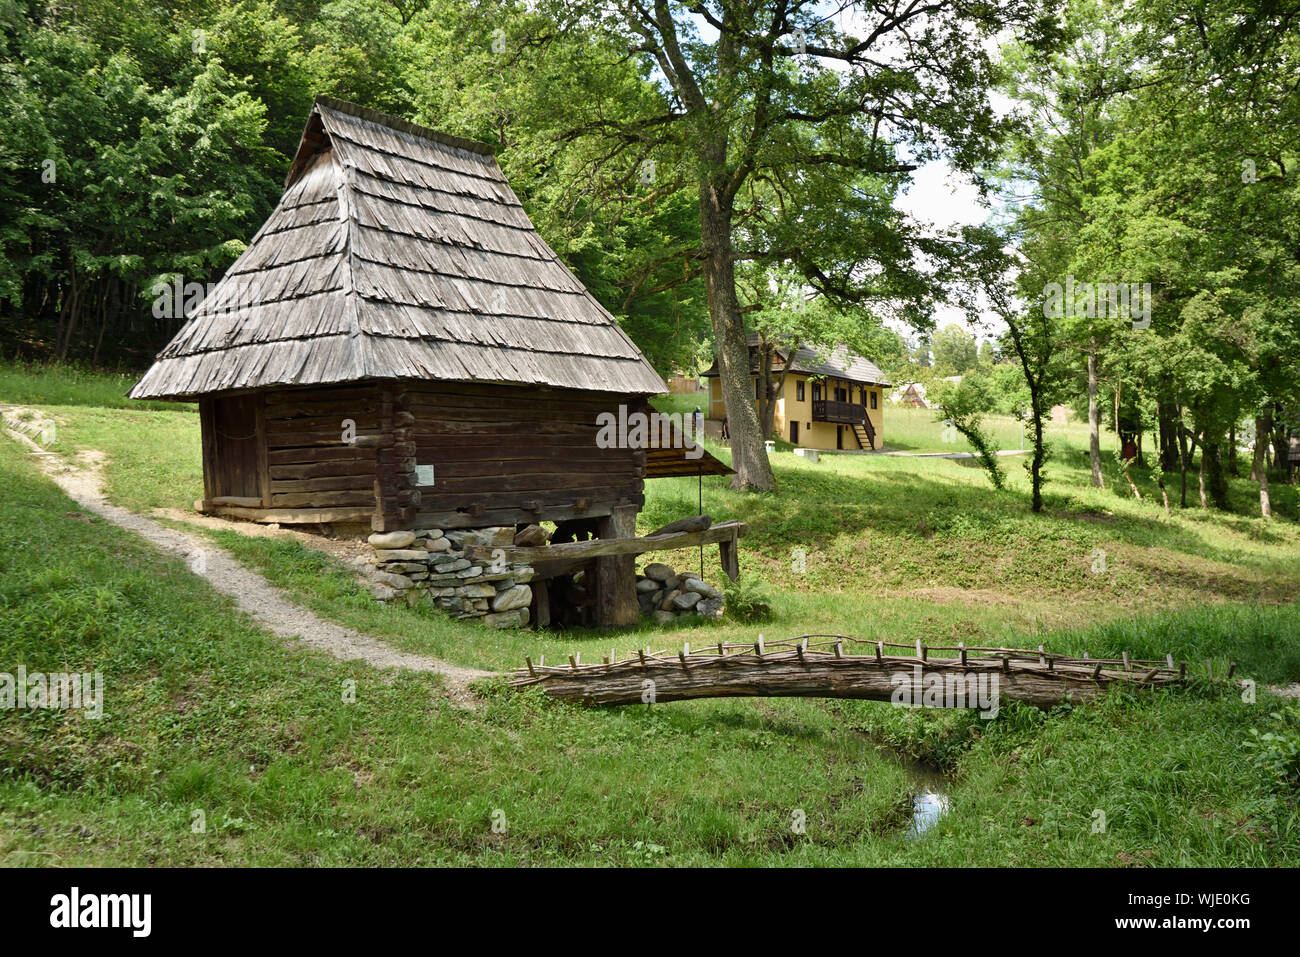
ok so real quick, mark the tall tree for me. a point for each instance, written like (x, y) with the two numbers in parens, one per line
(796, 136)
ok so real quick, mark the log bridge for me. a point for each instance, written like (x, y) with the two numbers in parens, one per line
(824, 666)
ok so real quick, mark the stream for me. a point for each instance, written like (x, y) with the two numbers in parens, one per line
(929, 794)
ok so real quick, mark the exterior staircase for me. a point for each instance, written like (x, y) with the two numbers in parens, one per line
(865, 432)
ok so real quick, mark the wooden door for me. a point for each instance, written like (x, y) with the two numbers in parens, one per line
(236, 460)
(794, 433)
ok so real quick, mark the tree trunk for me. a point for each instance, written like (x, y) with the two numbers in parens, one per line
(1184, 461)
(1040, 455)
(748, 454)
(1167, 413)
(1263, 426)
(1094, 423)
(1200, 480)
(1212, 460)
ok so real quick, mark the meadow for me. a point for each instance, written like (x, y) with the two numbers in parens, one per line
(206, 712)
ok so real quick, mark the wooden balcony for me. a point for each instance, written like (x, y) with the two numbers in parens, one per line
(828, 410)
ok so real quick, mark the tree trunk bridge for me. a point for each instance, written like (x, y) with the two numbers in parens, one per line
(822, 666)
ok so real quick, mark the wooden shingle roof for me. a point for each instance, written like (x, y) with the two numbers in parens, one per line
(396, 252)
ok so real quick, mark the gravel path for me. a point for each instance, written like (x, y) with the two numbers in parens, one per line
(268, 605)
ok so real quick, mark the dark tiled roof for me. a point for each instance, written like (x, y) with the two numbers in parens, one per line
(837, 363)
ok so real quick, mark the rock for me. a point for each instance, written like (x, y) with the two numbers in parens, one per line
(522, 573)
(500, 535)
(477, 590)
(382, 592)
(709, 608)
(646, 585)
(664, 617)
(429, 533)
(438, 544)
(667, 603)
(441, 592)
(399, 539)
(532, 535)
(459, 578)
(401, 555)
(514, 618)
(674, 582)
(658, 571)
(394, 581)
(517, 597)
(686, 600)
(705, 589)
(406, 567)
(455, 565)
(495, 535)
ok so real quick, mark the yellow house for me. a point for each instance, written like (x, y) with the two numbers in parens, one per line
(830, 399)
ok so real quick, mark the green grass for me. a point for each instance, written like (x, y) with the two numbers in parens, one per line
(921, 430)
(206, 712)
(62, 384)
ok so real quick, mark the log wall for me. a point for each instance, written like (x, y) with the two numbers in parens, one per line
(505, 454)
(500, 454)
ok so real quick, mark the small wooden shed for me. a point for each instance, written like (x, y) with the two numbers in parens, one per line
(398, 347)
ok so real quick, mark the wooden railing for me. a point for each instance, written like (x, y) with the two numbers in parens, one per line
(829, 410)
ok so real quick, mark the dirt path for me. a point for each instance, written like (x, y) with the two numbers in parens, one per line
(254, 594)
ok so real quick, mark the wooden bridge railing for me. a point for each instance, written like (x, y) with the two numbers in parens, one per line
(822, 666)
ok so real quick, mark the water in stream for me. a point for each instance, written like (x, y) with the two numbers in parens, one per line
(929, 796)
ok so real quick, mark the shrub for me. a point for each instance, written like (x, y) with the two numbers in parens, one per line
(748, 599)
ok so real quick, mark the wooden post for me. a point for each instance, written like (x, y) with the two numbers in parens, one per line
(259, 430)
(729, 557)
(616, 602)
(208, 431)
(541, 604)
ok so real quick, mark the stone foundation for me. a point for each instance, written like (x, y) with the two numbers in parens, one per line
(666, 595)
(429, 565)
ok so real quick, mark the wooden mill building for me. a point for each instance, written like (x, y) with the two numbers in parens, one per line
(398, 348)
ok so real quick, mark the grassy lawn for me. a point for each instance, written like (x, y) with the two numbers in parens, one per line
(54, 384)
(205, 712)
